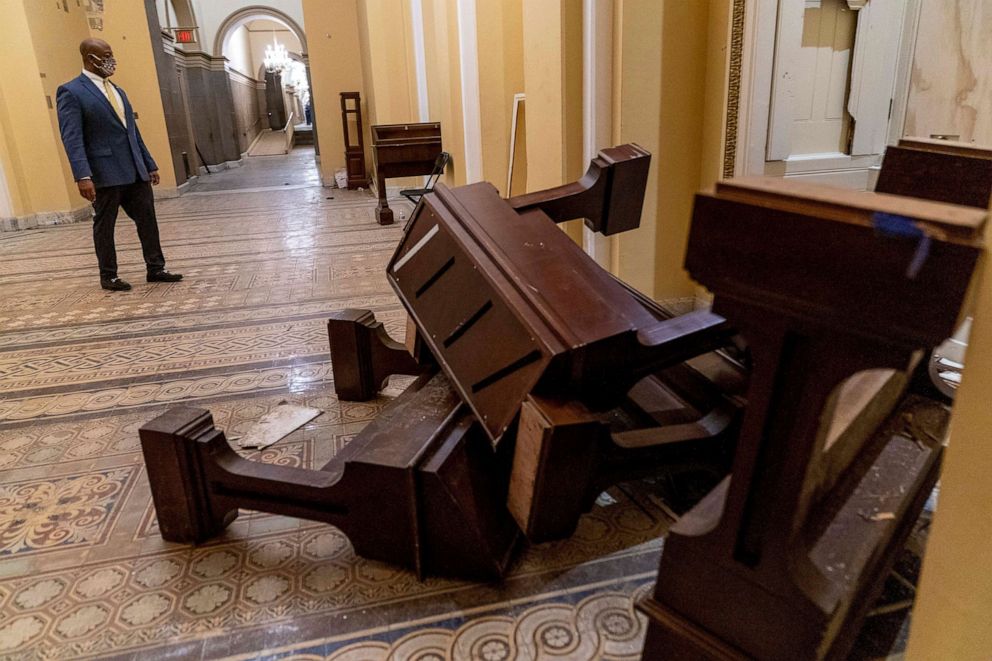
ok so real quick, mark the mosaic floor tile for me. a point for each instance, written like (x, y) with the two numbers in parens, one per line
(57, 513)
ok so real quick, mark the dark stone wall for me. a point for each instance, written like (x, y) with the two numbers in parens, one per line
(246, 110)
(212, 113)
(173, 102)
(275, 104)
(313, 107)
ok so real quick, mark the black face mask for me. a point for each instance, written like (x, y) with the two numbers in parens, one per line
(106, 66)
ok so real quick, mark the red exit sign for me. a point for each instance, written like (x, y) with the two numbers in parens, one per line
(185, 36)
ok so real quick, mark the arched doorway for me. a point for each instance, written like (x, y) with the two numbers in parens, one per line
(176, 14)
(262, 56)
(267, 96)
(256, 12)
(293, 81)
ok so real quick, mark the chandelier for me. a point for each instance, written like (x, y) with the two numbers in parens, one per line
(276, 56)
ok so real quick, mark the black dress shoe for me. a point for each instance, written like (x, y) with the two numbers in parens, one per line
(164, 276)
(115, 284)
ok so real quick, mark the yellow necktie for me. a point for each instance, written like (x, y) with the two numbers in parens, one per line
(112, 97)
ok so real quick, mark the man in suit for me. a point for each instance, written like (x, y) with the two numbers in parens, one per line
(110, 162)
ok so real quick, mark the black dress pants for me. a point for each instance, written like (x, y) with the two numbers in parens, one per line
(138, 203)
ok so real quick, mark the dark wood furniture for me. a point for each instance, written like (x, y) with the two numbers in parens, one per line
(937, 170)
(784, 558)
(503, 303)
(354, 140)
(402, 150)
(564, 343)
(420, 487)
(942, 171)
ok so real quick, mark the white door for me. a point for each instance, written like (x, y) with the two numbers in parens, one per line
(830, 82)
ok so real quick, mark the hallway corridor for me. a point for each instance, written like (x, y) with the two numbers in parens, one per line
(297, 169)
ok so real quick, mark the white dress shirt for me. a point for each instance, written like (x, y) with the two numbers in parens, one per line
(99, 84)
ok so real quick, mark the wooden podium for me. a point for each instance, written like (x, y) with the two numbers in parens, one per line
(402, 150)
(521, 343)
(782, 561)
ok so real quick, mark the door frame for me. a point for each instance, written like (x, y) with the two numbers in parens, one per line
(754, 97)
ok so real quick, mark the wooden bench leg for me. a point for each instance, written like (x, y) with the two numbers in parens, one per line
(363, 355)
(383, 214)
(173, 445)
(554, 466)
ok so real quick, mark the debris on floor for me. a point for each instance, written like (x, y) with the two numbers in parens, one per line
(277, 424)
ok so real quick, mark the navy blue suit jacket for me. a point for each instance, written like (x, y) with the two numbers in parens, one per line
(97, 143)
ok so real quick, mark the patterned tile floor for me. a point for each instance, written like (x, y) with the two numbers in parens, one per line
(83, 571)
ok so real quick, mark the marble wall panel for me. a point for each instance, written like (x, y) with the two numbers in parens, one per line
(173, 100)
(951, 85)
(213, 115)
(246, 111)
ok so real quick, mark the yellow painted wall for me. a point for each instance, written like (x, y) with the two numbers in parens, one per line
(543, 78)
(390, 81)
(125, 28)
(390, 54)
(7, 204)
(56, 35)
(368, 85)
(717, 89)
(670, 78)
(42, 41)
(501, 75)
(683, 93)
(638, 84)
(335, 67)
(553, 84)
(42, 51)
(444, 92)
(18, 52)
(573, 163)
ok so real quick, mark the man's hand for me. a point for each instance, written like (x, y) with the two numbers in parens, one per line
(155, 178)
(87, 189)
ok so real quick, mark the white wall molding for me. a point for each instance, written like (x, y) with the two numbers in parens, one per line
(518, 100)
(250, 13)
(904, 70)
(6, 205)
(45, 219)
(468, 51)
(597, 101)
(201, 60)
(238, 77)
(756, 85)
(420, 59)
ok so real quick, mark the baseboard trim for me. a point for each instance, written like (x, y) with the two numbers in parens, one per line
(685, 304)
(45, 219)
(220, 167)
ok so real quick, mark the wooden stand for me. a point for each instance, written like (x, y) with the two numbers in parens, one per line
(420, 487)
(402, 150)
(354, 140)
(364, 355)
(528, 334)
(783, 560)
(937, 170)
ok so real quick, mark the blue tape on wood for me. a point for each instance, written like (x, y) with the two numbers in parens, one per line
(890, 224)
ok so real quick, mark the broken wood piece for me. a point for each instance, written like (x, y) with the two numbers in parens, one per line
(277, 424)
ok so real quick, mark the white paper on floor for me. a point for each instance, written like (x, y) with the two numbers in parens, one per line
(276, 424)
